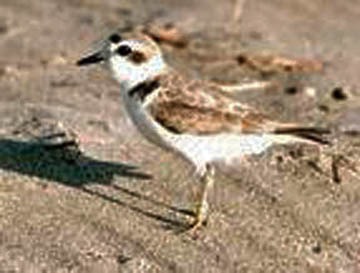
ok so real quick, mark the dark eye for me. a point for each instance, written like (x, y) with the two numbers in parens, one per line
(115, 38)
(123, 50)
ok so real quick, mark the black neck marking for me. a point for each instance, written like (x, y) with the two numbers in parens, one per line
(142, 90)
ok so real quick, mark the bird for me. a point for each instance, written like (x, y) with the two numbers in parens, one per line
(192, 118)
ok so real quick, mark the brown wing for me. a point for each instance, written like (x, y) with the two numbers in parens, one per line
(200, 108)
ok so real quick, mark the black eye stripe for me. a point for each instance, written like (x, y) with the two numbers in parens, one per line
(115, 38)
(123, 50)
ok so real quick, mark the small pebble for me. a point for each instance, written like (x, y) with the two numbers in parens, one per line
(310, 91)
(316, 248)
(338, 94)
(291, 90)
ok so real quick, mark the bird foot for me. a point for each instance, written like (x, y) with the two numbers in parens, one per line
(201, 215)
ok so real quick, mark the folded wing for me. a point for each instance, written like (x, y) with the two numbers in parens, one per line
(200, 109)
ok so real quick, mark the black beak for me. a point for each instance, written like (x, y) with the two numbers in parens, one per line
(91, 59)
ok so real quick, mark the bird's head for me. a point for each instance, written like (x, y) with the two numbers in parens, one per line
(131, 60)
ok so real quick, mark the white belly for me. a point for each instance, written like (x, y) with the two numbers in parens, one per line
(201, 150)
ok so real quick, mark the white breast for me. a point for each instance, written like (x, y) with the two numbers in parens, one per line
(143, 122)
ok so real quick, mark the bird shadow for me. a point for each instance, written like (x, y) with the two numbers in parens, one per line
(65, 165)
(69, 166)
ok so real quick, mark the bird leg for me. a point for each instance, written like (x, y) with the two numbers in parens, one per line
(202, 205)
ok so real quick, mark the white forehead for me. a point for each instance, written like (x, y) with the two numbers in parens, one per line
(133, 44)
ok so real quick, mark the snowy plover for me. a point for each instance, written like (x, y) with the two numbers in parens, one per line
(193, 118)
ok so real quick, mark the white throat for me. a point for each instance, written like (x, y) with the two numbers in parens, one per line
(129, 74)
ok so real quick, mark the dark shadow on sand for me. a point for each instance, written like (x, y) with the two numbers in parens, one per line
(70, 167)
(67, 166)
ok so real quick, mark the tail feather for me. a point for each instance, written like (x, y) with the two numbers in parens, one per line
(313, 134)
